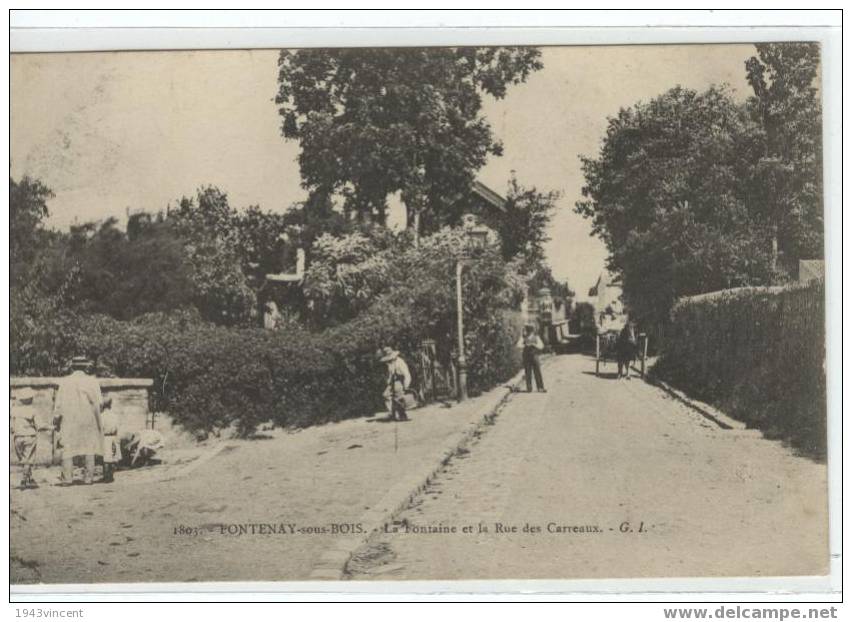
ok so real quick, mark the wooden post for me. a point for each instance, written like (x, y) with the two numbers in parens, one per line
(416, 227)
(597, 354)
(462, 359)
(644, 352)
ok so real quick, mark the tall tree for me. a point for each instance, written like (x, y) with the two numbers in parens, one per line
(375, 121)
(103, 269)
(789, 176)
(27, 211)
(259, 243)
(208, 226)
(523, 223)
(669, 193)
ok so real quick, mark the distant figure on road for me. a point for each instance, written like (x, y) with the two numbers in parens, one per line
(625, 349)
(398, 382)
(78, 411)
(532, 345)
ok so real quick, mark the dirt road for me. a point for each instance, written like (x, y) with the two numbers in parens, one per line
(597, 478)
(609, 478)
(265, 509)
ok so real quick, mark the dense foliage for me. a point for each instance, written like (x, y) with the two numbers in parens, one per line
(356, 273)
(758, 354)
(372, 122)
(583, 322)
(207, 226)
(670, 196)
(210, 378)
(786, 104)
(523, 224)
(204, 255)
(694, 192)
(119, 273)
(366, 290)
(27, 210)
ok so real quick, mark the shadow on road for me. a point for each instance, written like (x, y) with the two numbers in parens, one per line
(603, 375)
(387, 419)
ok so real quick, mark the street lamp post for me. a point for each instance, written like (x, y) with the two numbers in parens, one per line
(462, 359)
(477, 237)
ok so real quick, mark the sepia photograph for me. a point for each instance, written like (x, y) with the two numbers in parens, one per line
(394, 314)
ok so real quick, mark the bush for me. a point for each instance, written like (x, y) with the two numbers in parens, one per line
(356, 275)
(492, 355)
(211, 377)
(40, 332)
(756, 353)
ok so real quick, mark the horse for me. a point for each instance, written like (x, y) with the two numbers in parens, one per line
(626, 347)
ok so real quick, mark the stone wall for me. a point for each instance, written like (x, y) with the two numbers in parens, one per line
(130, 402)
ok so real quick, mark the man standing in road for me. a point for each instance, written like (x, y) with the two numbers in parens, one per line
(78, 411)
(532, 345)
(399, 380)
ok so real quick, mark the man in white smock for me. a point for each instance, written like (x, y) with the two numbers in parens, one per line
(78, 412)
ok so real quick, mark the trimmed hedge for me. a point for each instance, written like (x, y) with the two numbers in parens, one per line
(210, 378)
(758, 354)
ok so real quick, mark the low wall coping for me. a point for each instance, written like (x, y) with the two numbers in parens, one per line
(106, 383)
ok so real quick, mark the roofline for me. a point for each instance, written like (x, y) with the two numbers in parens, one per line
(489, 195)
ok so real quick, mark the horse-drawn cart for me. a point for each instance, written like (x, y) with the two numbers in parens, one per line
(609, 343)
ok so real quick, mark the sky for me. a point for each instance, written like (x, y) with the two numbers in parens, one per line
(113, 131)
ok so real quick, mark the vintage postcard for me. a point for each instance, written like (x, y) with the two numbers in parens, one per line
(410, 314)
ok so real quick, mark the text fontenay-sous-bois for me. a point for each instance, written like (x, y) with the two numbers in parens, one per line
(405, 527)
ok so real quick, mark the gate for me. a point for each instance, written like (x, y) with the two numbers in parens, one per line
(437, 378)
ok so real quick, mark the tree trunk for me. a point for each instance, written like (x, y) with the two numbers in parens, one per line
(416, 226)
(413, 208)
(774, 261)
(382, 215)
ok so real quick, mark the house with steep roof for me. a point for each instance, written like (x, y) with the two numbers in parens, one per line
(606, 298)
